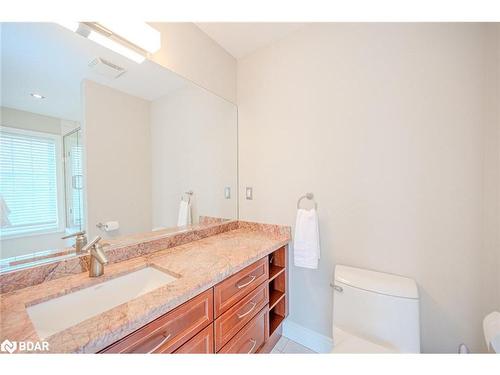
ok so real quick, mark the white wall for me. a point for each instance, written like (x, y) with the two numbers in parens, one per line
(20, 119)
(117, 146)
(385, 124)
(491, 176)
(189, 52)
(496, 156)
(141, 156)
(194, 147)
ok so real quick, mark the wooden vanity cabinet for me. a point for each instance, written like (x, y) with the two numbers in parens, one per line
(170, 331)
(202, 343)
(227, 325)
(251, 337)
(262, 326)
(241, 314)
(231, 290)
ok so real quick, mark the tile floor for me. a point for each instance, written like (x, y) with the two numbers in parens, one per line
(287, 346)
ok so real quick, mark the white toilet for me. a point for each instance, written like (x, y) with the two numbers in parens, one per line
(374, 312)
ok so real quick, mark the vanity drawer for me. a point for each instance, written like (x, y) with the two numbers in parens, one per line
(227, 325)
(169, 332)
(202, 343)
(231, 290)
(251, 337)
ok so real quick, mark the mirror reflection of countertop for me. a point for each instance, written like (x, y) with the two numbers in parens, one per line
(197, 265)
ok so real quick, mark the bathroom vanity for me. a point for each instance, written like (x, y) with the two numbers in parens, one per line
(227, 294)
(238, 315)
(144, 251)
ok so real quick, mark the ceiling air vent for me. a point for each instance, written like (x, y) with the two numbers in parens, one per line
(106, 68)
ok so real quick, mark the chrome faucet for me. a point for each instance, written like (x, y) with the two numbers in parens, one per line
(80, 240)
(98, 258)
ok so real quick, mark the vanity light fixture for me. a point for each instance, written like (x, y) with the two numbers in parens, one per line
(37, 96)
(117, 47)
(134, 40)
(138, 33)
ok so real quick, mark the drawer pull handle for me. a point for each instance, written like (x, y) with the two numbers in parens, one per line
(252, 278)
(249, 311)
(253, 346)
(165, 339)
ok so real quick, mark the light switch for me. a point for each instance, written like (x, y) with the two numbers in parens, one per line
(227, 192)
(249, 193)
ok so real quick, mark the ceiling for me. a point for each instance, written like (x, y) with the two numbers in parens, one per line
(48, 59)
(242, 38)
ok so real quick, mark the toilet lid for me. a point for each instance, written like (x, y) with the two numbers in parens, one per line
(346, 342)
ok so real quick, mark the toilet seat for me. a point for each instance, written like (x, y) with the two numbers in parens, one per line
(346, 342)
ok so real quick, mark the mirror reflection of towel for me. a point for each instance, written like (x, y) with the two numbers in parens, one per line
(184, 217)
(4, 213)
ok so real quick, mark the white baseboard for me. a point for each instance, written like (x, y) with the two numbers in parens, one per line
(306, 337)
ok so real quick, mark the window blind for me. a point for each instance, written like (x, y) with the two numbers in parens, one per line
(28, 182)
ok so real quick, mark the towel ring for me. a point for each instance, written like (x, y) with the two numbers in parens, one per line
(189, 195)
(309, 196)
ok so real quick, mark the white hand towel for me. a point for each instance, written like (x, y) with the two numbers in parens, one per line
(491, 327)
(306, 239)
(184, 217)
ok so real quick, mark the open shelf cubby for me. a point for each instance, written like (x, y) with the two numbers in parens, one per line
(278, 258)
(277, 263)
(276, 315)
(277, 289)
(275, 271)
(274, 297)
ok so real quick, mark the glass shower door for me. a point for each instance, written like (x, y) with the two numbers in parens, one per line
(73, 180)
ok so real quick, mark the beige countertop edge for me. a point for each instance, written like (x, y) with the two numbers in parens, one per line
(200, 264)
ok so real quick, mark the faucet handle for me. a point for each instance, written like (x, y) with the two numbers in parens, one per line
(76, 234)
(92, 243)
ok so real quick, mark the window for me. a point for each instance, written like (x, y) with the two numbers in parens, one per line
(29, 182)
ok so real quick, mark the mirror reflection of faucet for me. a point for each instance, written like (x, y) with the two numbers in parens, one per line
(80, 240)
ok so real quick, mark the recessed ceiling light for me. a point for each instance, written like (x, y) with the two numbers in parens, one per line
(37, 96)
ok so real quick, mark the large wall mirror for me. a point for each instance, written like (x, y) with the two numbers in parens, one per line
(91, 140)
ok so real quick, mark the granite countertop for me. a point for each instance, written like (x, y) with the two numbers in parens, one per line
(199, 265)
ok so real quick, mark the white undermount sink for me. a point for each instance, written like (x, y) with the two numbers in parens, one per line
(63, 312)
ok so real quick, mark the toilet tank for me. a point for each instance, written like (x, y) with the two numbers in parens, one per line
(377, 306)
